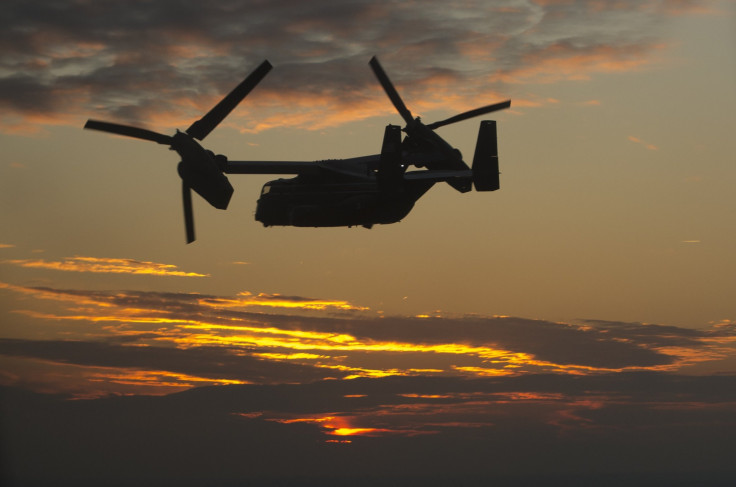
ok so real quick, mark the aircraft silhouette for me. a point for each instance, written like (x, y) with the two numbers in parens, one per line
(365, 190)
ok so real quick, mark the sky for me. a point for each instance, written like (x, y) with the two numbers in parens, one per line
(576, 325)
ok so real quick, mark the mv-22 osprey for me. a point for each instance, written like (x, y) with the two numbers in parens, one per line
(364, 190)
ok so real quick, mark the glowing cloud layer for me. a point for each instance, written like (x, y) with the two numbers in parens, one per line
(218, 339)
(105, 265)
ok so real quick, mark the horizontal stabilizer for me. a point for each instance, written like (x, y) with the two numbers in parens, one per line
(271, 167)
(438, 175)
(485, 160)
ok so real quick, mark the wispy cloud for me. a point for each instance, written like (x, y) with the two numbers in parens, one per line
(637, 140)
(246, 298)
(134, 61)
(105, 266)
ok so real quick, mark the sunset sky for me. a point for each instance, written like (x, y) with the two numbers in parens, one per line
(578, 323)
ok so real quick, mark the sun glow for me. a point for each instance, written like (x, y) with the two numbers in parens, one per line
(352, 431)
(334, 425)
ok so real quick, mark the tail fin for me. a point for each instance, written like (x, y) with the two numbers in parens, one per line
(485, 160)
(390, 171)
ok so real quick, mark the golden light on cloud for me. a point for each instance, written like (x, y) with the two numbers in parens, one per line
(316, 112)
(105, 265)
(128, 316)
(298, 340)
(358, 372)
(84, 381)
(426, 396)
(353, 431)
(159, 378)
(291, 356)
(335, 425)
(485, 372)
(246, 298)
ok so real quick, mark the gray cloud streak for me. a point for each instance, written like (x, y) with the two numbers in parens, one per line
(205, 362)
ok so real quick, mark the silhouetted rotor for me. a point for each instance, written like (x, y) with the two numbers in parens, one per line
(202, 127)
(199, 168)
(128, 131)
(422, 141)
(412, 122)
(388, 87)
(188, 212)
(470, 114)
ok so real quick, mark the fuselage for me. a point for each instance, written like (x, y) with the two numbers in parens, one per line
(336, 201)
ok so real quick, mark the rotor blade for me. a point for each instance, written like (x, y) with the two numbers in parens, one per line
(138, 133)
(470, 114)
(390, 90)
(202, 127)
(186, 192)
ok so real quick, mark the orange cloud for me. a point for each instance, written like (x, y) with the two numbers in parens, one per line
(158, 379)
(312, 112)
(106, 266)
(245, 299)
(561, 61)
(340, 425)
(637, 140)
